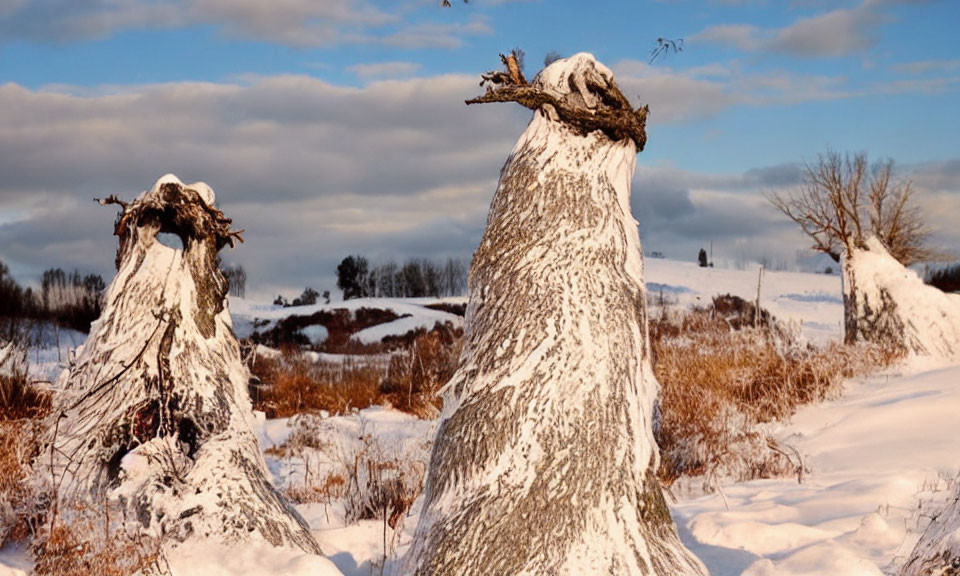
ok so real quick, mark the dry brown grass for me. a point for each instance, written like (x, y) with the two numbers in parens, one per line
(370, 478)
(77, 541)
(719, 384)
(326, 491)
(22, 505)
(416, 376)
(20, 400)
(86, 541)
(381, 484)
(294, 384)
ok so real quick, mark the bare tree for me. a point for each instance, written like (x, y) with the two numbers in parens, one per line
(454, 277)
(866, 215)
(843, 200)
(236, 277)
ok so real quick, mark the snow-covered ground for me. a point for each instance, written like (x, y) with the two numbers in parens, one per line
(812, 301)
(881, 458)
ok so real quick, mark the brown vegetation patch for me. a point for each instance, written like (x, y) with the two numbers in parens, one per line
(22, 506)
(340, 323)
(86, 541)
(721, 379)
(292, 384)
(416, 376)
(422, 362)
(19, 399)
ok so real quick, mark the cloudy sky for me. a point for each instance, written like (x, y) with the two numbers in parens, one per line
(330, 127)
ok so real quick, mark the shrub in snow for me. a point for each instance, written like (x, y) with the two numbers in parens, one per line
(88, 540)
(154, 415)
(544, 461)
(357, 468)
(22, 503)
(292, 383)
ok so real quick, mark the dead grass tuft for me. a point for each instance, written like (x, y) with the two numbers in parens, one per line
(416, 376)
(294, 384)
(380, 484)
(19, 399)
(22, 505)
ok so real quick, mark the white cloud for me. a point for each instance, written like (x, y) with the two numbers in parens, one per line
(836, 33)
(293, 22)
(741, 36)
(839, 32)
(925, 66)
(313, 171)
(704, 91)
(384, 69)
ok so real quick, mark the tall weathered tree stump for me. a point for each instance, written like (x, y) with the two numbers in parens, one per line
(544, 461)
(155, 413)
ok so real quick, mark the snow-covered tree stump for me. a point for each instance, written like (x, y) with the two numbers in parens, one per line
(937, 553)
(544, 461)
(155, 413)
(888, 304)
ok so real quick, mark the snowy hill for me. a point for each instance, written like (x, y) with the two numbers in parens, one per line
(813, 301)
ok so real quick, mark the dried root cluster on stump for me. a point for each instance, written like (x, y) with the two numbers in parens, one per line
(586, 98)
(544, 460)
(155, 413)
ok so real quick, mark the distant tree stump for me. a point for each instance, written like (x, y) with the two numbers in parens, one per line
(889, 305)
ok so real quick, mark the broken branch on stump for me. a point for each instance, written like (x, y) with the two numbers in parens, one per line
(613, 115)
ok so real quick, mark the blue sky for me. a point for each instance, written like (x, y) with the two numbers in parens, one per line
(333, 127)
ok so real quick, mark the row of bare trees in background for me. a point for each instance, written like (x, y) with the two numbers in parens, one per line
(70, 300)
(415, 278)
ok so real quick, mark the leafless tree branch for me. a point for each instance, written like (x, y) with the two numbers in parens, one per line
(843, 200)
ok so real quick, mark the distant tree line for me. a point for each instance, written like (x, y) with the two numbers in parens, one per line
(946, 279)
(308, 297)
(70, 300)
(415, 278)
